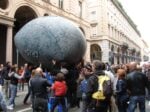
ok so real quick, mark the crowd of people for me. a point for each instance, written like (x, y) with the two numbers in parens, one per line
(93, 87)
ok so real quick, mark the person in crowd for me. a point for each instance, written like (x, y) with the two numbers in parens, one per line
(71, 77)
(38, 86)
(5, 71)
(64, 68)
(60, 90)
(87, 71)
(13, 86)
(111, 74)
(27, 76)
(21, 82)
(3, 105)
(96, 105)
(136, 84)
(139, 68)
(113, 101)
(108, 72)
(79, 93)
(115, 69)
(1, 76)
(147, 71)
(32, 76)
(121, 91)
(1, 67)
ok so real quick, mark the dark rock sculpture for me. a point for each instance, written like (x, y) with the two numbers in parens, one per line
(50, 38)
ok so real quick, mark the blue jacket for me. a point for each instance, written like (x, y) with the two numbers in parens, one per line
(83, 86)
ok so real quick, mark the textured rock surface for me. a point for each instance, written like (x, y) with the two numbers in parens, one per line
(47, 38)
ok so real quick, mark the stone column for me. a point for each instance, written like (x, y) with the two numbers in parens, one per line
(88, 52)
(9, 44)
(105, 50)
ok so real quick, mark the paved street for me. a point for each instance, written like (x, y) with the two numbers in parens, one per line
(20, 107)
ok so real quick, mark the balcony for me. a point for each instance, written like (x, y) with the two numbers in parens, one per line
(124, 46)
(133, 50)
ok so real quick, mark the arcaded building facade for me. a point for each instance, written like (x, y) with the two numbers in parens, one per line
(16, 13)
(114, 36)
(110, 34)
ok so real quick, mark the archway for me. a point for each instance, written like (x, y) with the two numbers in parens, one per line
(23, 15)
(96, 53)
(3, 32)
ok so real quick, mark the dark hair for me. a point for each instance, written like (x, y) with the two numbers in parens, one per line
(60, 77)
(103, 66)
(88, 66)
(13, 68)
(98, 65)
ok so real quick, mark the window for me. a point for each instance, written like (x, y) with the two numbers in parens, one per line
(94, 31)
(61, 4)
(80, 9)
(109, 30)
(93, 16)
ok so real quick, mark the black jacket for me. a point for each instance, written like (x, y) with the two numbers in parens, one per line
(136, 83)
(39, 86)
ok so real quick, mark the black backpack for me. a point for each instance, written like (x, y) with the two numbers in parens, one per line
(4, 74)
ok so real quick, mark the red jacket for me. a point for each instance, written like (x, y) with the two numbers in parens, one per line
(59, 88)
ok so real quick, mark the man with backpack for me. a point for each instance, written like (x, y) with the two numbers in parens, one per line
(99, 89)
(38, 86)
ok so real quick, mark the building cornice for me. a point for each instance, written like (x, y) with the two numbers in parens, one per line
(120, 8)
(7, 20)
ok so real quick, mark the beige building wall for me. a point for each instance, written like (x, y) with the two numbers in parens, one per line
(114, 31)
(145, 51)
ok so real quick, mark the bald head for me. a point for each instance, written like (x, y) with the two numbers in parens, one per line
(132, 66)
(38, 71)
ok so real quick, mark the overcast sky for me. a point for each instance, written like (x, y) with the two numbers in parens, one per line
(139, 11)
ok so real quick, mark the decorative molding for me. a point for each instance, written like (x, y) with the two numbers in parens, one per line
(7, 20)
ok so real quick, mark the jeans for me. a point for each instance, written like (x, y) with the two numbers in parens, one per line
(13, 93)
(3, 102)
(58, 101)
(134, 100)
(6, 86)
(122, 103)
(84, 106)
(27, 95)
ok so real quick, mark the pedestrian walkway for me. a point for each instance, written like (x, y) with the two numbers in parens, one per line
(20, 107)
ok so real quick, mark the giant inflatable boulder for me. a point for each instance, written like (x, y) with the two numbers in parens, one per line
(50, 38)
